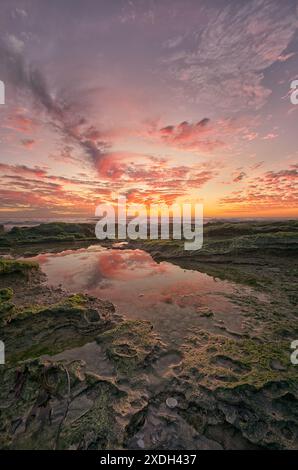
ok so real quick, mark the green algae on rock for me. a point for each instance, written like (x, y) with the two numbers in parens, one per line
(48, 329)
(10, 266)
(54, 405)
(53, 232)
(130, 345)
(6, 306)
(6, 294)
(224, 241)
(231, 391)
(218, 361)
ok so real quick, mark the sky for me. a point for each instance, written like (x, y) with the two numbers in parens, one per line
(166, 101)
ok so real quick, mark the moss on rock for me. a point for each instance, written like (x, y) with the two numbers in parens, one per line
(10, 266)
(48, 329)
(218, 361)
(51, 405)
(47, 233)
(6, 294)
(130, 345)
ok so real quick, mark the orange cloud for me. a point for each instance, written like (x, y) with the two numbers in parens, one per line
(20, 122)
(274, 190)
(28, 143)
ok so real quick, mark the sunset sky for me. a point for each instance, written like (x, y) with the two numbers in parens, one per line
(161, 101)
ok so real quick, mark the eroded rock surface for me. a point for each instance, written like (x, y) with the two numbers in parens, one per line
(79, 376)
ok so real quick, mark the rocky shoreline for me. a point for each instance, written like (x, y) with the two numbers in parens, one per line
(129, 390)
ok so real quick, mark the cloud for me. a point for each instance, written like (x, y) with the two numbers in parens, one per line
(23, 76)
(19, 121)
(226, 63)
(173, 42)
(22, 187)
(65, 117)
(238, 176)
(19, 12)
(272, 190)
(144, 178)
(16, 44)
(28, 143)
(198, 136)
(270, 136)
(23, 170)
(204, 135)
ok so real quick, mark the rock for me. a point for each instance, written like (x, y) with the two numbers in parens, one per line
(171, 402)
(6, 294)
(48, 329)
(141, 444)
(58, 406)
(131, 345)
(276, 365)
(205, 312)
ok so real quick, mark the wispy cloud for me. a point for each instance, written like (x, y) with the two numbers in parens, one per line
(231, 52)
(272, 190)
(63, 115)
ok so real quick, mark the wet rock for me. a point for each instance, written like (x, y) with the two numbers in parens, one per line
(48, 329)
(233, 393)
(131, 345)
(232, 383)
(141, 443)
(10, 266)
(53, 232)
(205, 312)
(58, 406)
(6, 294)
(277, 365)
(171, 402)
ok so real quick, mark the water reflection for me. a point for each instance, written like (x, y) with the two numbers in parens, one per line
(170, 297)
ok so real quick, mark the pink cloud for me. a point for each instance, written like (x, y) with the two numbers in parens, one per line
(273, 189)
(28, 143)
(270, 136)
